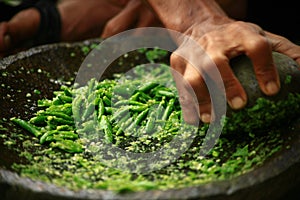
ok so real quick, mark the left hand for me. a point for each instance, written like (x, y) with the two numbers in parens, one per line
(134, 15)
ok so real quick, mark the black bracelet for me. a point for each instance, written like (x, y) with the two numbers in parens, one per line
(50, 24)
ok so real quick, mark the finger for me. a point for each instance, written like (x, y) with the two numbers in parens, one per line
(192, 86)
(187, 100)
(197, 84)
(5, 39)
(122, 21)
(147, 18)
(259, 50)
(235, 93)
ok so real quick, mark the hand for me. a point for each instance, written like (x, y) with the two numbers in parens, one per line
(220, 44)
(82, 21)
(4, 39)
(135, 14)
(79, 22)
(221, 39)
(23, 25)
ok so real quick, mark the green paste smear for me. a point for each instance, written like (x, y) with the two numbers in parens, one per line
(138, 116)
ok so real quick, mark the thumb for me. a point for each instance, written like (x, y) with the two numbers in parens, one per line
(122, 21)
(5, 39)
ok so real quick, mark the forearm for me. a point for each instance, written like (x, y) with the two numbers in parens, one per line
(182, 14)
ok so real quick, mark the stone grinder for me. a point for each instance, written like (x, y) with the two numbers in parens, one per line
(275, 179)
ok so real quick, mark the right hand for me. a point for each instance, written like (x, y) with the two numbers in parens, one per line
(222, 42)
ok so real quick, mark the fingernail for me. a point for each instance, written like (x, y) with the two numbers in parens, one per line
(205, 117)
(272, 88)
(237, 103)
(7, 40)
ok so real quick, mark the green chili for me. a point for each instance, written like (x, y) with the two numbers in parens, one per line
(141, 117)
(148, 86)
(59, 121)
(38, 120)
(76, 108)
(169, 109)
(151, 122)
(44, 103)
(66, 90)
(128, 102)
(56, 114)
(101, 109)
(106, 101)
(64, 108)
(165, 93)
(65, 99)
(45, 135)
(68, 146)
(108, 132)
(160, 109)
(27, 126)
(58, 135)
(88, 111)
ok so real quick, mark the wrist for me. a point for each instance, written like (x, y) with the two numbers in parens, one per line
(181, 15)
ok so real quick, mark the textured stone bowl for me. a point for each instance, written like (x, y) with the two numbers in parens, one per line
(275, 179)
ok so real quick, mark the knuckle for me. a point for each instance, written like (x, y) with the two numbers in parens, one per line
(175, 57)
(110, 27)
(177, 63)
(204, 106)
(192, 119)
(233, 88)
(240, 25)
(216, 60)
(194, 81)
(214, 64)
(186, 100)
(266, 71)
(257, 44)
(230, 84)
